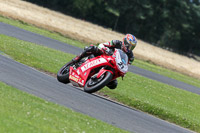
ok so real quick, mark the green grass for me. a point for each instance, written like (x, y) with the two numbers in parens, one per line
(23, 113)
(138, 63)
(167, 102)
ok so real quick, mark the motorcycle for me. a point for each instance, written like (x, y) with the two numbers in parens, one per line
(94, 73)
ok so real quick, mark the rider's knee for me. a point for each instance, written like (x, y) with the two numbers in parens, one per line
(112, 84)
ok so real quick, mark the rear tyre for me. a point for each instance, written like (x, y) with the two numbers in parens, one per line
(95, 84)
(63, 73)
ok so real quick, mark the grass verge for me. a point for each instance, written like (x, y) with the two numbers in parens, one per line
(24, 113)
(164, 101)
(138, 63)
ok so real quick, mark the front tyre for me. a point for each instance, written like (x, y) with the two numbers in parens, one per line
(63, 73)
(95, 84)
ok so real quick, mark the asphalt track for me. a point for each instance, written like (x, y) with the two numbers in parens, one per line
(44, 86)
(47, 87)
(51, 43)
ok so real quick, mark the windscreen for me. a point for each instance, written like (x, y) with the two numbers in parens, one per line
(124, 57)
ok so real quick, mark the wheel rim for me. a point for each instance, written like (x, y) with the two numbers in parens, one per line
(94, 81)
(65, 70)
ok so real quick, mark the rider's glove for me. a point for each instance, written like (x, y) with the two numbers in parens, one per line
(106, 51)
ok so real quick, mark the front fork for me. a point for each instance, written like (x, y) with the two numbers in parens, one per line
(102, 71)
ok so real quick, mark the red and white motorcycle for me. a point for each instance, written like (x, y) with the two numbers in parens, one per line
(94, 73)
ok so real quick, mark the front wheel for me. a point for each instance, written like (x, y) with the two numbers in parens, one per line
(63, 73)
(95, 84)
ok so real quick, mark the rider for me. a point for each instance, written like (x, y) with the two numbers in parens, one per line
(127, 45)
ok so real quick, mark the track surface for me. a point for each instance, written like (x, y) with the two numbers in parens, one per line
(48, 42)
(47, 87)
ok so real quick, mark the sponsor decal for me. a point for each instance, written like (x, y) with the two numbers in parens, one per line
(93, 63)
(76, 76)
(73, 78)
(78, 72)
(75, 81)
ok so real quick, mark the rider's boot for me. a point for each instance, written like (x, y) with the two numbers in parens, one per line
(76, 59)
(79, 57)
(87, 51)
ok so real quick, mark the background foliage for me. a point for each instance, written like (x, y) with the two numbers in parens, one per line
(171, 24)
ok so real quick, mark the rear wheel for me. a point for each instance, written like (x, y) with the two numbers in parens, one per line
(63, 73)
(94, 84)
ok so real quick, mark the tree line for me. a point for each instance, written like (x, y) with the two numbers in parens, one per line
(171, 24)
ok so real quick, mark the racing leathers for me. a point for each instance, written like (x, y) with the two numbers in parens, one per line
(106, 47)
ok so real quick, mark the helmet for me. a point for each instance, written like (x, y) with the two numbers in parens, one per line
(129, 42)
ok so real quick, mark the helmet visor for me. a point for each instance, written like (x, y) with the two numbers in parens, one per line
(129, 46)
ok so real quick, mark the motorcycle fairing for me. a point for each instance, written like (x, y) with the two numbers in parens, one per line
(75, 79)
(121, 61)
(81, 74)
(93, 63)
